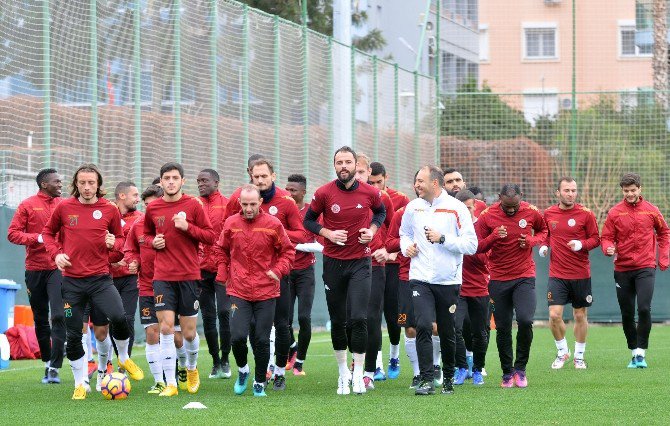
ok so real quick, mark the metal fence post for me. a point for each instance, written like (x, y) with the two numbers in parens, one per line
(137, 94)
(93, 63)
(46, 44)
(176, 96)
(215, 83)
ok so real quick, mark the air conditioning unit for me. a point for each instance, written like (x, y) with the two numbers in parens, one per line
(552, 2)
(566, 103)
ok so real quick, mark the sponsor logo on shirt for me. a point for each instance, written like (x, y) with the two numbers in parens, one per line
(571, 222)
(523, 223)
(326, 287)
(415, 294)
(359, 206)
(97, 214)
(273, 210)
(335, 208)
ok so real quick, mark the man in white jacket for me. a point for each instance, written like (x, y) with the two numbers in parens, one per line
(436, 232)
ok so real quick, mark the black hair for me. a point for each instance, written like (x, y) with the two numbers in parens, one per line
(464, 195)
(42, 176)
(298, 178)
(476, 190)
(156, 181)
(346, 149)
(630, 179)
(213, 173)
(168, 167)
(449, 170)
(510, 190)
(377, 169)
(122, 187)
(152, 191)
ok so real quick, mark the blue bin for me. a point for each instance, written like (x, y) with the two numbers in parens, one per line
(8, 291)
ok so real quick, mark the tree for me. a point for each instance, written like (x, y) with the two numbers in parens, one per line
(660, 56)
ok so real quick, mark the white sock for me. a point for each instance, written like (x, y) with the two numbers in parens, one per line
(341, 357)
(181, 354)
(580, 348)
(562, 346)
(370, 374)
(271, 362)
(394, 352)
(436, 350)
(359, 361)
(78, 370)
(380, 361)
(244, 369)
(294, 345)
(280, 371)
(299, 361)
(639, 351)
(89, 344)
(410, 350)
(48, 363)
(104, 348)
(168, 354)
(191, 348)
(122, 348)
(84, 344)
(468, 353)
(153, 354)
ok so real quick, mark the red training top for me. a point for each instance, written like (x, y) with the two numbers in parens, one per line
(346, 210)
(393, 244)
(248, 249)
(475, 275)
(127, 221)
(508, 261)
(82, 229)
(139, 248)
(379, 240)
(480, 206)
(27, 224)
(178, 261)
(304, 260)
(398, 198)
(215, 207)
(633, 229)
(577, 223)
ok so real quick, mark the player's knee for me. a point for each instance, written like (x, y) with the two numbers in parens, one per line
(304, 321)
(579, 315)
(644, 311)
(410, 332)
(524, 322)
(556, 316)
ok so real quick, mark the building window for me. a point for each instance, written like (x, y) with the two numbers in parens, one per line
(628, 46)
(540, 105)
(456, 72)
(484, 43)
(540, 42)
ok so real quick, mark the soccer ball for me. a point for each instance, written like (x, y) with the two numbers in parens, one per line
(115, 386)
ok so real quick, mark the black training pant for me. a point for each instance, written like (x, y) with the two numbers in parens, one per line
(100, 292)
(629, 286)
(348, 281)
(477, 308)
(215, 303)
(241, 314)
(435, 303)
(301, 283)
(281, 321)
(44, 294)
(375, 310)
(130, 293)
(510, 297)
(391, 303)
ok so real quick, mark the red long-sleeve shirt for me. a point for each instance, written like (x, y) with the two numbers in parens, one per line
(215, 207)
(508, 261)
(127, 221)
(633, 230)
(577, 223)
(248, 249)
(81, 230)
(398, 198)
(476, 275)
(27, 224)
(138, 248)
(178, 261)
(480, 206)
(304, 260)
(379, 239)
(393, 244)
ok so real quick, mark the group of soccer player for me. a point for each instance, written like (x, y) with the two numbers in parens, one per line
(436, 266)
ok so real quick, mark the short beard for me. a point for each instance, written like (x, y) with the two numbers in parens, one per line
(351, 177)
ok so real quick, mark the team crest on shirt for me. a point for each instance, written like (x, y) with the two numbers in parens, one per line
(182, 214)
(97, 214)
(73, 219)
(571, 222)
(335, 208)
(553, 224)
(273, 210)
(523, 224)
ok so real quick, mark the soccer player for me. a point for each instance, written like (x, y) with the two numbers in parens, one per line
(634, 230)
(345, 204)
(479, 195)
(88, 228)
(301, 279)
(378, 178)
(572, 233)
(126, 198)
(453, 182)
(436, 231)
(175, 224)
(473, 301)
(373, 361)
(510, 228)
(140, 256)
(252, 284)
(214, 303)
(43, 279)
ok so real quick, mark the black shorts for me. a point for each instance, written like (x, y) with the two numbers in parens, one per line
(180, 297)
(147, 311)
(405, 306)
(562, 292)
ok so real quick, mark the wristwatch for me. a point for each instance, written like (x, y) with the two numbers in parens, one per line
(441, 239)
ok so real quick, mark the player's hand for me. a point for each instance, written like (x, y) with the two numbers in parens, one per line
(338, 237)
(133, 267)
(159, 242)
(272, 275)
(381, 255)
(662, 266)
(610, 251)
(393, 257)
(432, 235)
(522, 241)
(502, 231)
(575, 245)
(365, 236)
(109, 240)
(543, 251)
(412, 250)
(62, 261)
(180, 222)
(120, 264)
